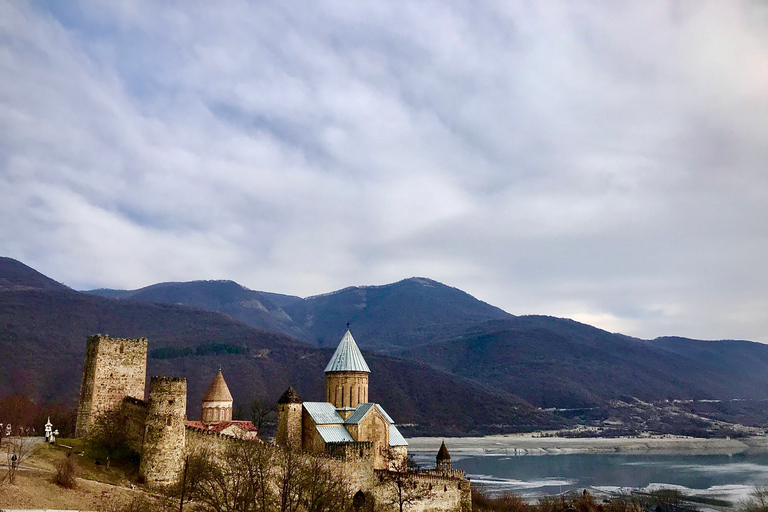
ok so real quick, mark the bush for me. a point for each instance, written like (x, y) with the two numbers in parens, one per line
(66, 473)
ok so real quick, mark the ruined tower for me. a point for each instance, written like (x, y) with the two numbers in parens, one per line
(217, 401)
(162, 456)
(289, 426)
(346, 377)
(114, 369)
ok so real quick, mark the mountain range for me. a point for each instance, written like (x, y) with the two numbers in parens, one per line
(487, 369)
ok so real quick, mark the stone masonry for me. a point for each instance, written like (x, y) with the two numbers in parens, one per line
(114, 368)
(162, 455)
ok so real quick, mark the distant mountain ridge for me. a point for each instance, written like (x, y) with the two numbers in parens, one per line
(43, 330)
(386, 317)
(257, 309)
(548, 362)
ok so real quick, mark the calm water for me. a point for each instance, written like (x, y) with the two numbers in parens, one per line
(731, 477)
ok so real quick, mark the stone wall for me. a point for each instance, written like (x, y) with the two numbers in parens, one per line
(162, 456)
(114, 368)
(134, 412)
(311, 440)
(433, 493)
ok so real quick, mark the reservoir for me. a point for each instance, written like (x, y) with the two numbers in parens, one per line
(729, 477)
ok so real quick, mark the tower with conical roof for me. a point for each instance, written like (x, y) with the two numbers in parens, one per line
(289, 420)
(346, 376)
(443, 462)
(217, 401)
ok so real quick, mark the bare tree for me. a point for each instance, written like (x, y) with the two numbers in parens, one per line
(324, 488)
(405, 488)
(109, 433)
(17, 447)
(237, 480)
(260, 412)
(757, 501)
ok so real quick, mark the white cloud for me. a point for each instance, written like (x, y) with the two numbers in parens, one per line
(598, 161)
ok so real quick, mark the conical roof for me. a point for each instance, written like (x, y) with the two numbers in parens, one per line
(347, 357)
(291, 396)
(442, 453)
(218, 390)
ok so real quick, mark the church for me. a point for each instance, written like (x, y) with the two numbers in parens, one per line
(345, 417)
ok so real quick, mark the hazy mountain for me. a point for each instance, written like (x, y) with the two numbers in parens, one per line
(554, 362)
(43, 334)
(393, 316)
(257, 309)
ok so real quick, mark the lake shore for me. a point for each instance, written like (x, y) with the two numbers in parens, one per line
(533, 444)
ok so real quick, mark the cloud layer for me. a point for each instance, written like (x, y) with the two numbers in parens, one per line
(601, 161)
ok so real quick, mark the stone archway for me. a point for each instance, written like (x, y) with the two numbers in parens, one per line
(359, 501)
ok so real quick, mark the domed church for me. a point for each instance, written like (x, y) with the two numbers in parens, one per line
(345, 418)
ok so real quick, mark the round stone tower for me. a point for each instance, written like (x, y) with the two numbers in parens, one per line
(289, 424)
(346, 376)
(217, 401)
(162, 454)
(443, 459)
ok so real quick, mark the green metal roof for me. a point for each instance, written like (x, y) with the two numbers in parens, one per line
(395, 437)
(334, 434)
(323, 413)
(362, 409)
(347, 357)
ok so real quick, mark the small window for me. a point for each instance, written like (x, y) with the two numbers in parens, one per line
(169, 421)
(170, 402)
(122, 348)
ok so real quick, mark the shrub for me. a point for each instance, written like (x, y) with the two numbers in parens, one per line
(66, 473)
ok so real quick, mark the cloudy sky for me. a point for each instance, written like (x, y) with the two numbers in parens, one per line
(604, 161)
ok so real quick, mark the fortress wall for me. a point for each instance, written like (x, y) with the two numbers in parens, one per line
(114, 368)
(436, 493)
(135, 413)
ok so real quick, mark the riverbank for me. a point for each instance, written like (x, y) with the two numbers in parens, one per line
(535, 444)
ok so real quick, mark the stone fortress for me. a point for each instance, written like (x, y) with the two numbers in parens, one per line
(359, 434)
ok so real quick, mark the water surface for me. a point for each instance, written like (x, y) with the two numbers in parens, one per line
(731, 477)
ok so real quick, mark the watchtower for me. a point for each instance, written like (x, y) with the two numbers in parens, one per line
(114, 368)
(162, 456)
(289, 425)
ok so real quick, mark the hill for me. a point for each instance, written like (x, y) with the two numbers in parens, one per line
(394, 316)
(386, 318)
(257, 309)
(15, 276)
(560, 363)
(43, 333)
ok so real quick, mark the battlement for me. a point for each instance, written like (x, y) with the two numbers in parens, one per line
(162, 378)
(350, 450)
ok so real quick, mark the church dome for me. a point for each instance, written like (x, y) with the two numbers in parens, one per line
(218, 390)
(347, 357)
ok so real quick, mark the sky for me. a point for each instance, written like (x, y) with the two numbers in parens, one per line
(601, 161)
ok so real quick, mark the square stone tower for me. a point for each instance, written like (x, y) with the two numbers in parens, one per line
(115, 368)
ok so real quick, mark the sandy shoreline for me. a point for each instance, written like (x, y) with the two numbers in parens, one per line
(528, 444)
